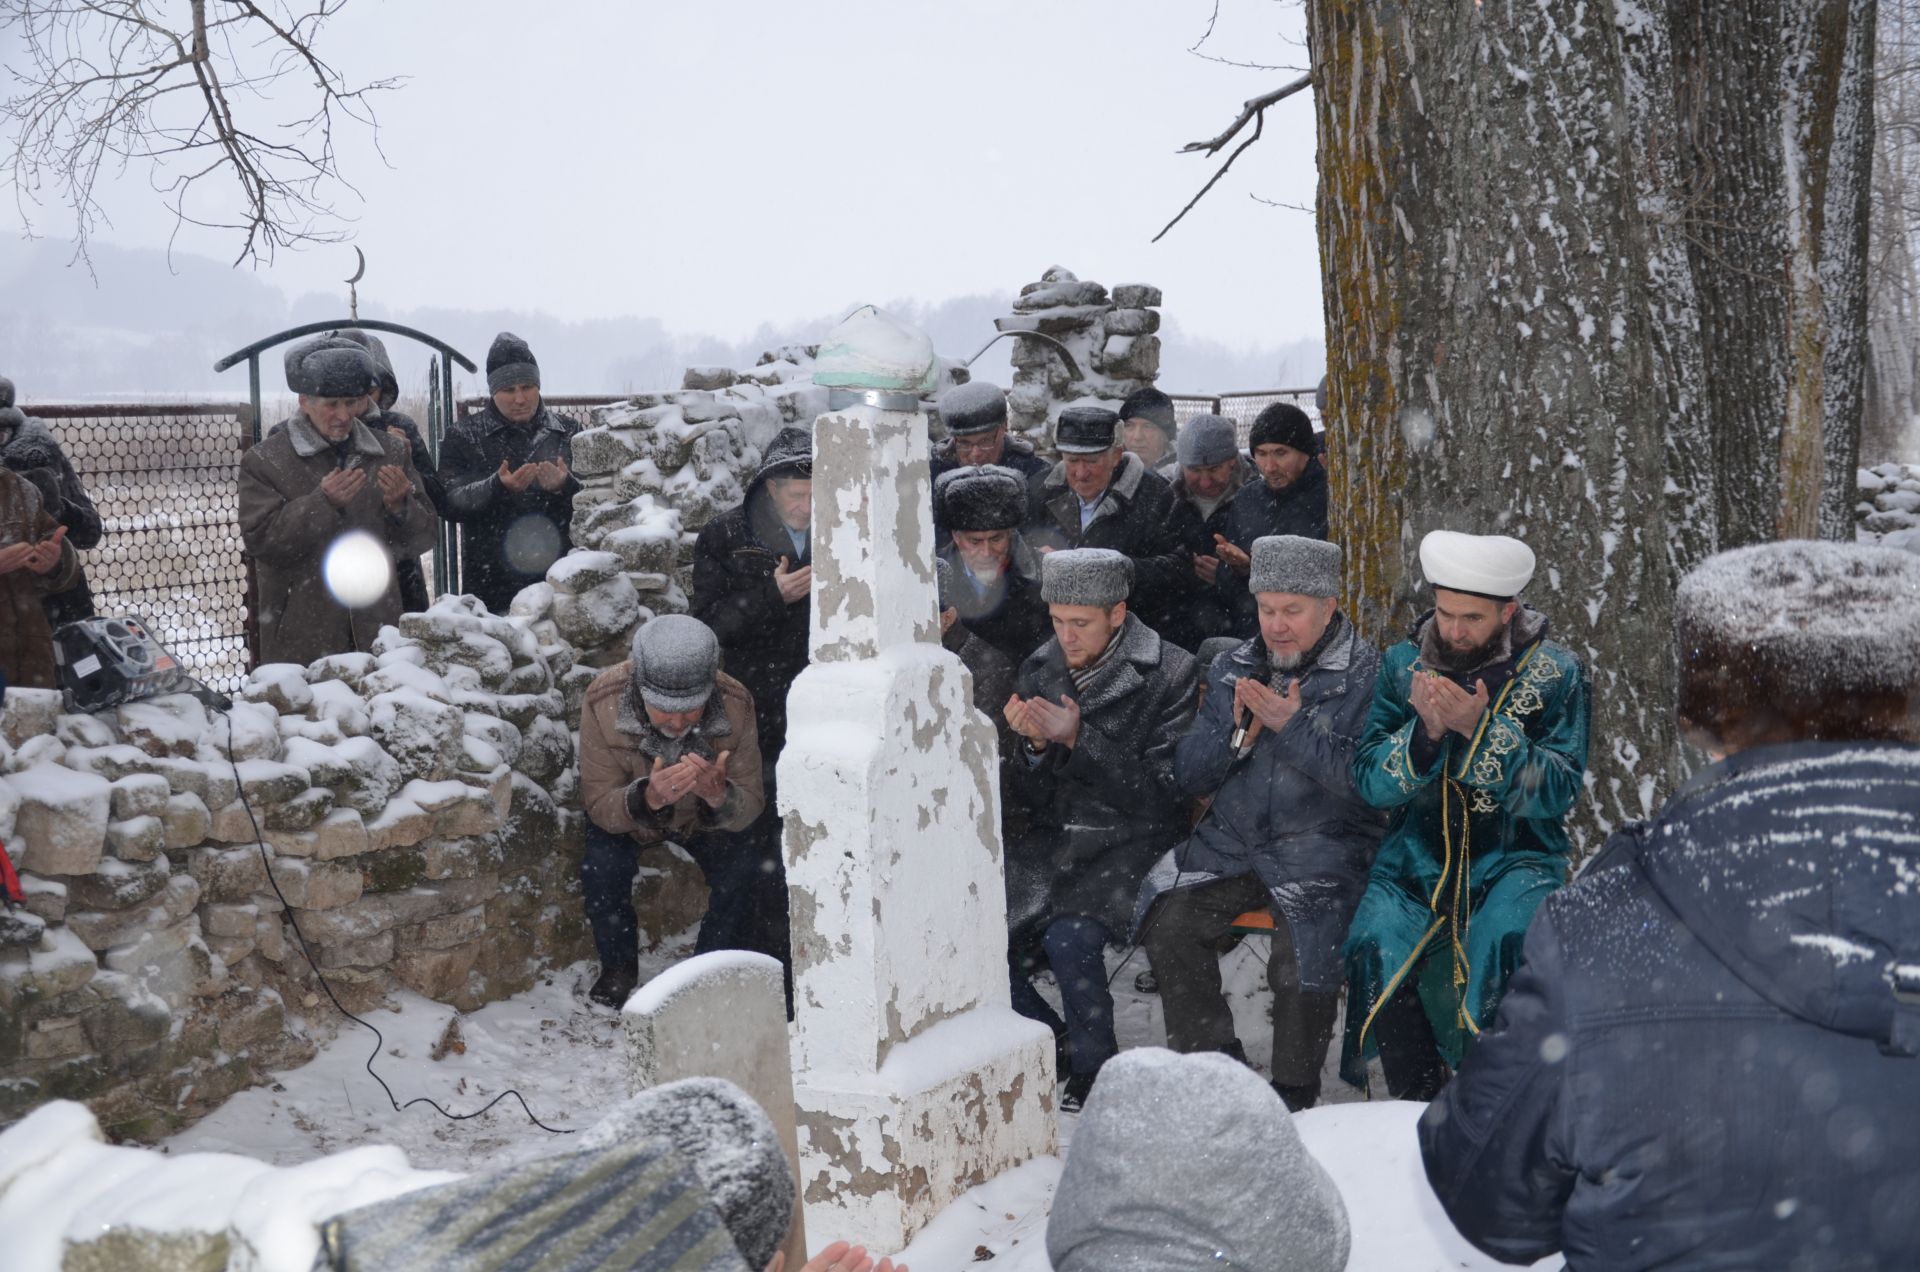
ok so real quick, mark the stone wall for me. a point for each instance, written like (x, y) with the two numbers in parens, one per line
(413, 803)
(1889, 507)
(1111, 337)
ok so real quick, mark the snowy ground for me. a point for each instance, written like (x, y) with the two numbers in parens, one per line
(567, 1059)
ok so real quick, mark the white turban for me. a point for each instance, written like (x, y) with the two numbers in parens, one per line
(1489, 564)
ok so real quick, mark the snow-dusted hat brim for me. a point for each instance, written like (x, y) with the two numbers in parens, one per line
(1294, 564)
(676, 662)
(973, 407)
(1085, 430)
(1493, 566)
(331, 366)
(1085, 576)
(1206, 440)
(986, 497)
(1824, 635)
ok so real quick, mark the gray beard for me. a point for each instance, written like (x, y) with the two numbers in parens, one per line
(1285, 662)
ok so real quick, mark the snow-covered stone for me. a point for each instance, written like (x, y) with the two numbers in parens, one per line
(140, 795)
(28, 713)
(62, 820)
(421, 733)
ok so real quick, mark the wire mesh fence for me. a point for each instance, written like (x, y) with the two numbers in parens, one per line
(1244, 407)
(165, 478)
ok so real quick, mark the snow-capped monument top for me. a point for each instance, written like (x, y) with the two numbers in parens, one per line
(871, 350)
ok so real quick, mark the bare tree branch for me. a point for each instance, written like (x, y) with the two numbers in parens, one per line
(1253, 112)
(112, 83)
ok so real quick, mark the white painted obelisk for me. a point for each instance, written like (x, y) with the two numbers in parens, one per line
(914, 1078)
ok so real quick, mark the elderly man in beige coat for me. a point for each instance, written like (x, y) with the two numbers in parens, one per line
(668, 750)
(304, 493)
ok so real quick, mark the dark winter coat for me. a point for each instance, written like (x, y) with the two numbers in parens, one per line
(1199, 611)
(1010, 616)
(414, 595)
(507, 541)
(1104, 810)
(288, 524)
(1134, 519)
(26, 637)
(31, 450)
(1258, 511)
(1288, 810)
(992, 673)
(763, 639)
(1711, 1054)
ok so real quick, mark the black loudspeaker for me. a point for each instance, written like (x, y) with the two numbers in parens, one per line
(107, 661)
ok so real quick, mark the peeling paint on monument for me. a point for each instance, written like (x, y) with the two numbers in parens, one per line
(904, 1041)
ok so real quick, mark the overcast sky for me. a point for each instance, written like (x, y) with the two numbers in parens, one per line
(721, 163)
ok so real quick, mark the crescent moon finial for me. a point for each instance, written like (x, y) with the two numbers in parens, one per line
(360, 272)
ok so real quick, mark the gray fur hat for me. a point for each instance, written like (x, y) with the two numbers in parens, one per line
(675, 660)
(331, 366)
(732, 1146)
(1085, 430)
(973, 407)
(1085, 576)
(1206, 440)
(983, 497)
(1292, 563)
(510, 361)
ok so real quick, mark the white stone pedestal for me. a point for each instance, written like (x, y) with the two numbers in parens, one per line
(914, 1078)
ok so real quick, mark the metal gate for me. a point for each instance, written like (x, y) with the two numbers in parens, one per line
(164, 477)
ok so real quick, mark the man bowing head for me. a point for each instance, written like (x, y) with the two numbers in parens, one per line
(1477, 743)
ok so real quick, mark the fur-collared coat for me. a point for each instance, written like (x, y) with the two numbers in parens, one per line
(288, 525)
(618, 746)
(1134, 518)
(1102, 811)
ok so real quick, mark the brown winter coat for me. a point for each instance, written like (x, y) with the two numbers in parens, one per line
(288, 524)
(616, 751)
(26, 641)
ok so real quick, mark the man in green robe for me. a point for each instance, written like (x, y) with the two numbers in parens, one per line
(1477, 742)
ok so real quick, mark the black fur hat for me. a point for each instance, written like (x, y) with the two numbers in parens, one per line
(985, 497)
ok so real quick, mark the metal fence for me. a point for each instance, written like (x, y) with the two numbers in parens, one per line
(1243, 407)
(165, 478)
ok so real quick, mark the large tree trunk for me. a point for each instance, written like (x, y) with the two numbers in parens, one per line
(1828, 137)
(1728, 81)
(1655, 132)
(1493, 366)
(1893, 315)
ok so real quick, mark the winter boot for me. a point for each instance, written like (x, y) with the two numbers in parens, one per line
(1299, 1098)
(615, 986)
(1079, 1087)
(1237, 1051)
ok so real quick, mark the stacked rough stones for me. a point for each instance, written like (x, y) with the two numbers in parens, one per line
(1889, 507)
(654, 470)
(412, 804)
(1111, 337)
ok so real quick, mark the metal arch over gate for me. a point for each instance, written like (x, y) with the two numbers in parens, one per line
(439, 409)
